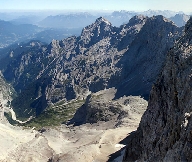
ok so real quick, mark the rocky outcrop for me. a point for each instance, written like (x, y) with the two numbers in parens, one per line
(6, 90)
(95, 110)
(164, 133)
(100, 108)
(128, 58)
(6, 94)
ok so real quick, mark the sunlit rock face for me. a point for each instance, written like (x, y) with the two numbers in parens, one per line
(165, 133)
(128, 58)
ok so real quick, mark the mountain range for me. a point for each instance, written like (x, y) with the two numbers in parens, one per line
(98, 83)
(117, 18)
(11, 33)
(38, 27)
(100, 58)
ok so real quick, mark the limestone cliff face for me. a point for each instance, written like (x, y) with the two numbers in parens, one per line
(6, 90)
(164, 133)
(6, 94)
(128, 58)
(148, 50)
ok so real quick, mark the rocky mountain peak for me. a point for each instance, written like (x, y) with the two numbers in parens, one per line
(100, 29)
(102, 20)
(137, 22)
(161, 18)
(188, 26)
(137, 19)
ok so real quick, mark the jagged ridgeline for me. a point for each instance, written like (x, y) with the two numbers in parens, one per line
(165, 130)
(128, 58)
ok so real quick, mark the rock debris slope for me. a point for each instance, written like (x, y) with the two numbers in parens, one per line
(164, 133)
(95, 140)
(97, 66)
(128, 58)
(99, 107)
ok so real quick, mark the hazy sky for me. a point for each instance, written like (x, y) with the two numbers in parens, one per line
(132, 5)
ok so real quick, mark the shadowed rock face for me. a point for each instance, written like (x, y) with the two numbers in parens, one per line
(95, 110)
(128, 58)
(164, 133)
(100, 108)
(146, 55)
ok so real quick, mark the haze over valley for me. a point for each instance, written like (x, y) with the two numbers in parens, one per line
(95, 84)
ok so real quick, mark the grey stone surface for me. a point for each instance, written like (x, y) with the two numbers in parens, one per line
(128, 58)
(164, 133)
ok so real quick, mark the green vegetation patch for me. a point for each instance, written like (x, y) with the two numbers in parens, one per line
(55, 115)
(21, 104)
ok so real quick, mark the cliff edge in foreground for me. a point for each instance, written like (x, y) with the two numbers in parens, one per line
(165, 130)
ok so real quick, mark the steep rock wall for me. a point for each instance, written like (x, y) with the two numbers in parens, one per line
(164, 133)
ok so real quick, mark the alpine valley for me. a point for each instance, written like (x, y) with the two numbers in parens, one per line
(81, 99)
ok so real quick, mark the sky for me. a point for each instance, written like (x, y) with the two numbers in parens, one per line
(130, 5)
